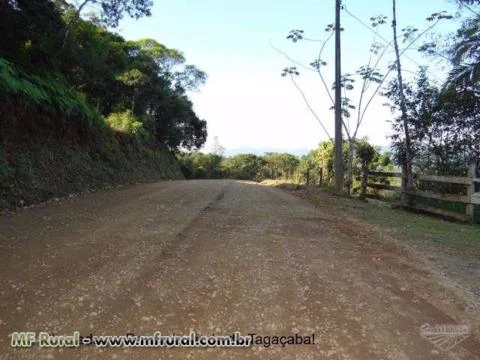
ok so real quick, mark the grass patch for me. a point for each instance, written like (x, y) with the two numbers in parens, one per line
(410, 227)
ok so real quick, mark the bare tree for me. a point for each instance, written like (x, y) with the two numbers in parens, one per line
(372, 80)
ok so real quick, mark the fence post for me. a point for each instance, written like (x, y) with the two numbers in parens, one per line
(363, 191)
(403, 196)
(472, 172)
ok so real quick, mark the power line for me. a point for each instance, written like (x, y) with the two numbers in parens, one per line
(296, 62)
(473, 11)
(315, 115)
(384, 39)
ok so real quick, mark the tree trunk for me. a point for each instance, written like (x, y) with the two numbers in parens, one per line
(71, 22)
(339, 176)
(363, 191)
(407, 184)
(349, 179)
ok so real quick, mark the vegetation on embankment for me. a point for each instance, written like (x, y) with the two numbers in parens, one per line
(82, 108)
(53, 143)
(35, 172)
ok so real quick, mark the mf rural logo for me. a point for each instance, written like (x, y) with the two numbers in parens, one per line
(445, 337)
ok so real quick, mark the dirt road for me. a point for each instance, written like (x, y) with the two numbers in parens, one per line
(215, 257)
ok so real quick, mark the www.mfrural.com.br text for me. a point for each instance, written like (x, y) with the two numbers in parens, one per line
(48, 340)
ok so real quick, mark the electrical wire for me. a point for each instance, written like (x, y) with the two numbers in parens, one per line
(385, 40)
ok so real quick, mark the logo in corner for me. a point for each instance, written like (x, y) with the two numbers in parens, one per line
(445, 337)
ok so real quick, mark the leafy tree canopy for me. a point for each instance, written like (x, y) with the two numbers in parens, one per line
(138, 86)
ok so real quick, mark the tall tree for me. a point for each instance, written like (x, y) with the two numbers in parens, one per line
(109, 12)
(339, 171)
(444, 126)
(30, 32)
(407, 161)
(371, 78)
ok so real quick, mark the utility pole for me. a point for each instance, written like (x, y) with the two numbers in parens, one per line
(338, 103)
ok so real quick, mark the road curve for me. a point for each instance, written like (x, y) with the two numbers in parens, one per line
(214, 257)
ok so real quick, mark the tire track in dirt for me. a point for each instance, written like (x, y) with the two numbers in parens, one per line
(224, 256)
(114, 264)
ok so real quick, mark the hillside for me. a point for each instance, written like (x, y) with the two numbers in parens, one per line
(82, 108)
(42, 156)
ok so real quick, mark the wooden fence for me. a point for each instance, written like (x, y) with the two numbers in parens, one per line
(470, 198)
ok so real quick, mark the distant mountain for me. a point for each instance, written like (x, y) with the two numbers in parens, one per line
(296, 151)
(384, 149)
(261, 151)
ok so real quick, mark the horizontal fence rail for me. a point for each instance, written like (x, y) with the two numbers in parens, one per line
(445, 179)
(384, 187)
(385, 174)
(471, 197)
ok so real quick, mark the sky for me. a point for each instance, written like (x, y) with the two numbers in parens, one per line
(246, 103)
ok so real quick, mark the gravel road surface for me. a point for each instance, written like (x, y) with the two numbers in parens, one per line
(215, 257)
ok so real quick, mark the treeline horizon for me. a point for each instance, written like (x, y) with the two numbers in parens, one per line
(314, 168)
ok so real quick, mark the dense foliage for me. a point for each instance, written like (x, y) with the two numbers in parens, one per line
(315, 168)
(443, 119)
(75, 68)
(46, 90)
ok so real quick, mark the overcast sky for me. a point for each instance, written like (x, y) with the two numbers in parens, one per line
(245, 101)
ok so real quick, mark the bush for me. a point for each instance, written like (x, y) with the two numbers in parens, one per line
(199, 173)
(127, 123)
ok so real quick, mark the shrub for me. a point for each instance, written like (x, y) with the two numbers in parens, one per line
(125, 122)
